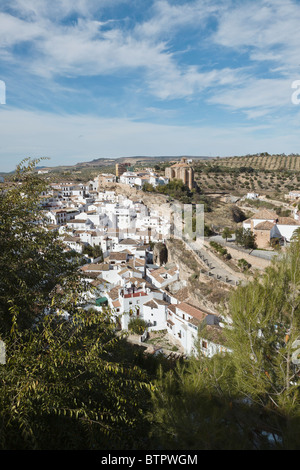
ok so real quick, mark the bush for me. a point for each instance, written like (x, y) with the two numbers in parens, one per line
(243, 264)
(137, 326)
(220, 249)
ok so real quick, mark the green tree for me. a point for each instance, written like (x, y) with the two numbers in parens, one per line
(226, 233)
(62, 388)
(65, 384)
(148, 187)
(249, 397)
(208, 232)
(239, 236)
(249, 239)
(93, 251)
(245, 238)
(34, 263)
(243, 264)
(137, 326)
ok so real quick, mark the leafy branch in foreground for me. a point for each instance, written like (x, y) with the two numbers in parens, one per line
(33, 261)
(64, 385)
(61, 388)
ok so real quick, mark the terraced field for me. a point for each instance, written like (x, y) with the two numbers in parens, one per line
(263, 162)
(274, 175)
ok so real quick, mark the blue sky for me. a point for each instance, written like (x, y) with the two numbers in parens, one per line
(115, 78)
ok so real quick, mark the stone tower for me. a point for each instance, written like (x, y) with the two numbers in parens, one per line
(181, 171)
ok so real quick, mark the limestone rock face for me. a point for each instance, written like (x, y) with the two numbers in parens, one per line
(160, 254)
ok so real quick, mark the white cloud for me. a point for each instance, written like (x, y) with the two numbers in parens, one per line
(269, 30)
(14, 30)
(257, 96)
(85, 48)
(167, 19)
(172, 82)
(35, 10)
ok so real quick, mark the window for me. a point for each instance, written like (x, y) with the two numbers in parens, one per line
(204, 344)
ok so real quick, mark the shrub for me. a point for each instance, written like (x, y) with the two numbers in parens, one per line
(137, 326)
(243, 264)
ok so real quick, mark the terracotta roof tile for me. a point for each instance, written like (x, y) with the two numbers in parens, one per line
(192, 311)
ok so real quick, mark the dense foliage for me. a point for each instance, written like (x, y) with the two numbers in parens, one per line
(34, 263)
(64, 384)
(245, 238)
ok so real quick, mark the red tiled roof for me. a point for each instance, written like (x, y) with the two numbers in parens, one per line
(192, 311)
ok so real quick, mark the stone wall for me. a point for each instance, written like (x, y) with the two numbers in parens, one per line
(255, 261)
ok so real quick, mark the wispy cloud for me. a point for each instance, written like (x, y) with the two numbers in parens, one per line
(266, 30)
(67, 139)
(87, 47)
(234, 59)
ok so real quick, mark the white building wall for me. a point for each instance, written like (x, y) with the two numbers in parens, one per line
(132, 303)
(287, 231)
(156, 317)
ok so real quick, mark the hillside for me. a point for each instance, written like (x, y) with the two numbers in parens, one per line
(85, 171)
(134, 160)
(274, 175)
(263, 161)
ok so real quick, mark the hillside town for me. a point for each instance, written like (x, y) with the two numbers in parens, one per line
(149, 227)
(117, 238)
(126, 274)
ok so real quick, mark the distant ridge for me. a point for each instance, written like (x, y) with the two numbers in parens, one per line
(138, 158)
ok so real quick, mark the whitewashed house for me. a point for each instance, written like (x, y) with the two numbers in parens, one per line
(183, 322)
(252, 196)
(162, 276)
(294, 195)
(154, 313)
(74, 243)
(128, 177)
(130, 302)
(82, 223)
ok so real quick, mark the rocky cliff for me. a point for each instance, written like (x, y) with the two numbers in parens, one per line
(200, 290)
